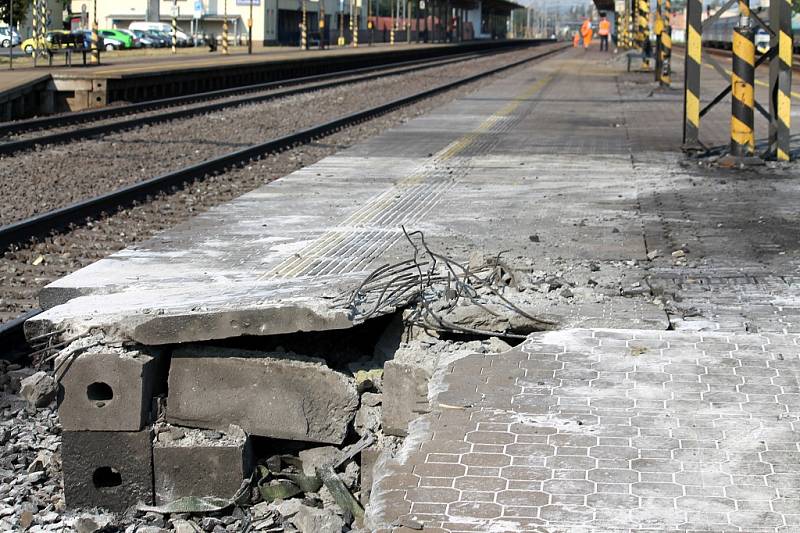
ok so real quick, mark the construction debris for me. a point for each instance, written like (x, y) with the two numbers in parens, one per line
(38, 390)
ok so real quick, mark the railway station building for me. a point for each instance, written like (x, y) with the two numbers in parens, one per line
(278, 21)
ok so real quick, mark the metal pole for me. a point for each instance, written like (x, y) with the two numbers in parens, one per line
(34, 29)
(174, 26)
(742, 81)
(11, 29)
(340, 40)
(780, 80)
(225, 30)
(394, 26)
(666, 47)
(693, 63)
(95, 37)
(659, 26)
(321, 24)
(644, 31)
(250, 30)
(303, 36)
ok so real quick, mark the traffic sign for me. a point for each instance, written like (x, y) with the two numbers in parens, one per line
(198, 9)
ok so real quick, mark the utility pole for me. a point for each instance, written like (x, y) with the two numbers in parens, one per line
(250, 30)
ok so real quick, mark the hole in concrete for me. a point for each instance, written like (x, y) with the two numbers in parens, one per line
(106, 477)
(336, 347)
(99, 392)
(468, 337)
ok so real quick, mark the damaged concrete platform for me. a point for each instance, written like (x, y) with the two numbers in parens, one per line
(651, 300)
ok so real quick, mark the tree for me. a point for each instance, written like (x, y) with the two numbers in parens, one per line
(795, 6)
(20, 10)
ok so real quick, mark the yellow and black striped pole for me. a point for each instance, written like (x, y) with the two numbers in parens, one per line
(43, 21)
(784, 81)
(742, 81)
(174, 28)
(691, 83)
(43, 26)
(666, 47)
(393, 28)
(352, 15)
(35, 29)
(95, 36)
(321, 24)
(657, 29)
(629, 29)
(355, 24)
(225, 30)
(303, 26)
(644, 31)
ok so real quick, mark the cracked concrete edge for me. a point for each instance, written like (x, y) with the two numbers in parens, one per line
(182, 326)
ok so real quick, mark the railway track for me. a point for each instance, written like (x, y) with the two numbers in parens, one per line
(54, 221)
(726, 53)
(158, 111)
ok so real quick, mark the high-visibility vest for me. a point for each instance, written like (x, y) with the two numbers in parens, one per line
(604, 28)
(586, 27)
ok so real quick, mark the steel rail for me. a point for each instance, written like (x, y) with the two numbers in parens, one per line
(55, 220)
(79, 117)
(11, 147)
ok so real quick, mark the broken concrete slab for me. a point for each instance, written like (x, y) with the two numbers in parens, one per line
(108, 469)
(283, 252)
(107, 388)
(270, 395)
(38, 389)
(405, 385)
(193, 462)
(317, 457)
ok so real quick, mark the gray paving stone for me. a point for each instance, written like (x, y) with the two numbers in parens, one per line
(689, 465)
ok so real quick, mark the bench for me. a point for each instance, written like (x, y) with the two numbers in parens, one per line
(68, 44)
(642, 55)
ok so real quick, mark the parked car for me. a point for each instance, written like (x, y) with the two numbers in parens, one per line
(136, 42)
(87, 40)
(117, 35)
(9, 37)
(149, 40)
(183, 38)
(28, 45)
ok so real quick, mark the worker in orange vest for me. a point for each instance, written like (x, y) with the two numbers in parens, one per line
(586, 32)
(576, 40)
(604, 30)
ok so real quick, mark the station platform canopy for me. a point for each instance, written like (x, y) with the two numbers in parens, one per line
(604, 5)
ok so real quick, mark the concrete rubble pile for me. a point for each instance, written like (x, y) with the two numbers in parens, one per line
(275, 434)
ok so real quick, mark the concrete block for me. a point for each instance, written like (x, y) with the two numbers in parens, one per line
(190, 462)
(369, 457)
(269, 395)
(108, 389)
(113, 470)
(405, 390)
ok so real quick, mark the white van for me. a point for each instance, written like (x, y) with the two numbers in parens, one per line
(163, 27)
